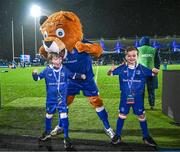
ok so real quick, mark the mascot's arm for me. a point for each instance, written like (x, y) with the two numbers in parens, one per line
(93, 49)
(43, 52)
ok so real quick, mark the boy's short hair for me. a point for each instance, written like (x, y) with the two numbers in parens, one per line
(52, 55)
(131, 48)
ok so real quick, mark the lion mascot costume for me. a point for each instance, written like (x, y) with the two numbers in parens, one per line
(62, 32)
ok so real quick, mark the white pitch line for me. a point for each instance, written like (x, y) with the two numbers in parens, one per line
(96, 76)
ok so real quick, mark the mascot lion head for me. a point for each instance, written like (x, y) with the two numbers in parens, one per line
(62, 31)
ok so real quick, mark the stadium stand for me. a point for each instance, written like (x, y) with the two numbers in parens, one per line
(168, 48)
(3, 63)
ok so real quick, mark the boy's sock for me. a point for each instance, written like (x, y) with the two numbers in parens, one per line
(59, 122)
(48, 123)
(65, 125)
(119, 126)
(101, 112)
(144, 128)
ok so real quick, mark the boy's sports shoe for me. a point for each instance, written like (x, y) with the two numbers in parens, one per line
(116, 140)
(152, 107)
(67, 143)
(109, 132)
(56, 131)
(149, 141)
(45, 136)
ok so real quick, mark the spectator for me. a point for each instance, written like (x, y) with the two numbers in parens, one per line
(149, 57)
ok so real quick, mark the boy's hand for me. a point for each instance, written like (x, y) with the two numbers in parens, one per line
(83, 76)
(109, 72)
(35, 71)
(112, 69)
(155, 71)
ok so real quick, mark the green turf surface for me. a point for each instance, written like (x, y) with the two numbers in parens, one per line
(23, 110)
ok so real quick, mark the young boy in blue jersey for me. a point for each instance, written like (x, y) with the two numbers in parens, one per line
(132, 77)
(56, 77)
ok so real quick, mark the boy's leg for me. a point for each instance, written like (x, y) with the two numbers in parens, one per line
(119, 125)
(48, 121)
(146, 137)
(138, 109)
(124, 110)
(143, 124)
(50, 110)
(63, 116)
(59, 128)
(65, 124)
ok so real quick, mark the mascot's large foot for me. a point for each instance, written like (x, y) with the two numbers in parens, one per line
(56, 131)
(109, 132)
(45, 136)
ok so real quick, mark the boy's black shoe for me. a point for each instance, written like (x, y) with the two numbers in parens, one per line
(152, 108)
(45, 136)
(67, 143)
(149, 141)
(116, 140)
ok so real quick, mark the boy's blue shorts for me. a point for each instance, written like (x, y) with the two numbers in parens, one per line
(138, 106)
(52, 106)
(88, 88)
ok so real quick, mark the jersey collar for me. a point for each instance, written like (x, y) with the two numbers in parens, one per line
(55, 70)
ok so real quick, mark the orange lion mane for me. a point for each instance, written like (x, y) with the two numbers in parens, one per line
(63, 30)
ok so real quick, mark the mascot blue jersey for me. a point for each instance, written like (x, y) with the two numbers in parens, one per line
(138, 82)
(79, 63)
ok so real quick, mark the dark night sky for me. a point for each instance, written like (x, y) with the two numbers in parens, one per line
(100, 18)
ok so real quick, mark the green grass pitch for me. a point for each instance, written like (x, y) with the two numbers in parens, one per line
(23, 110)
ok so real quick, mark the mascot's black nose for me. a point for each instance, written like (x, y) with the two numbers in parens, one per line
(48, 43)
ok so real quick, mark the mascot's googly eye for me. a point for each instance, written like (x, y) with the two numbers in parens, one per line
(45, 35)
(60, 32)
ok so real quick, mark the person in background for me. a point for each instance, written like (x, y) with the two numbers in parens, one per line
(149, 57)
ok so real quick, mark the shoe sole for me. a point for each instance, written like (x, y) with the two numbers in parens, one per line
(45, 138)
(153, 145)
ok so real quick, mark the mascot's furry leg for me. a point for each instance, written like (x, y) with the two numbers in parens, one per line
(97, 103)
